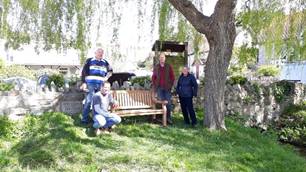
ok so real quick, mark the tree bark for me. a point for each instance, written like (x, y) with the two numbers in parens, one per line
(220, 32)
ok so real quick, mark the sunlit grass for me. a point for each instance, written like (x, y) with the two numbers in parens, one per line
(57, 142)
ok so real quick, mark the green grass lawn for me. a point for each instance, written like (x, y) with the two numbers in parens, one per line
(57, 142)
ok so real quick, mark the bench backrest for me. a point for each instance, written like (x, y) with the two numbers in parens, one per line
(133, 99)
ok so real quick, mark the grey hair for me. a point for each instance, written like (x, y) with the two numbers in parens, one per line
(188, 68)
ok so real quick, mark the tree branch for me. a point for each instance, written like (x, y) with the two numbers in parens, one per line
(224, 9)
(193, 15)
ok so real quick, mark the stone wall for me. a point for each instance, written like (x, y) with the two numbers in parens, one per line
(17, 103)
(258, 103)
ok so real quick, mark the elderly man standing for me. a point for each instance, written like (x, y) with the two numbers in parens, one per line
(95, 72)
(163, 79)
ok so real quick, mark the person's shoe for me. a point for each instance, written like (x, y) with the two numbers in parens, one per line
(98, 132)
(105, 131)
(194, 125)
(110, 129)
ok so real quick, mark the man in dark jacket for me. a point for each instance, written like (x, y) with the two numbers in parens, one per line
(163, 79)
(187, 88)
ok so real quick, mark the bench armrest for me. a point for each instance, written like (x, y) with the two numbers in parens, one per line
(156, 101)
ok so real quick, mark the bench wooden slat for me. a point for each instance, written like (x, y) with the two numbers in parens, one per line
(140, 110)
(137, 102)
(133, 107)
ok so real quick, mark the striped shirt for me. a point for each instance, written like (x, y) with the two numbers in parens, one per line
(94, 70)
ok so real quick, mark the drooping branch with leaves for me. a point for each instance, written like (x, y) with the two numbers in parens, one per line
(46, 23)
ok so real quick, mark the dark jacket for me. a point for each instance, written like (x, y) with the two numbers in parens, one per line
(163, 78)
(187, 86)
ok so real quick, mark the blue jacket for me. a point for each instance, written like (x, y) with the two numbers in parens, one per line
(187, 86)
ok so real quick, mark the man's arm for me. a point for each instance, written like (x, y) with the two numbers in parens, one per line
(109, 72)
(112, 101)
(154, 76)
(85, 72)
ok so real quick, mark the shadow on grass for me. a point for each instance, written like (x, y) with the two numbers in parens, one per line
(54, 136)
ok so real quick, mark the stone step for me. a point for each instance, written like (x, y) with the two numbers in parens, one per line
(16, 113)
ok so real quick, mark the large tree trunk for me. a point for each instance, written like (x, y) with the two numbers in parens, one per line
(215, 77)
(219, 29)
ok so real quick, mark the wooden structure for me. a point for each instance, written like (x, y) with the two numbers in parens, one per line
(138, 102)
(179, 60)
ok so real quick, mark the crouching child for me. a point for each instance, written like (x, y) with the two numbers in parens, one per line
(103, 119)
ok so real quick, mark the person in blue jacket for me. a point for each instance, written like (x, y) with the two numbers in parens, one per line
(186, 89)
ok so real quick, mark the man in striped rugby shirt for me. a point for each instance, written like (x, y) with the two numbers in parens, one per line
(95, 72)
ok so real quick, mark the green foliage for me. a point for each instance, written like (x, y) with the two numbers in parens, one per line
(295, 43)
(247, 55)
(247, 99)
(16, 70)
(236, 69)
(6, 127)
(2, 64)
(72, 81)
(282, 89)
(280, 33)
(182, 29)
(292, 125)
(198, 41)
(141, 80)
(46, 21)
(233, 80)
(177, 63)
(164, 14)
(257, 89)
(57, 79)
(6, 86)
(268, 70)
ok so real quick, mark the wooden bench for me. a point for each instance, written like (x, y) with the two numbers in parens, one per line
(137, 103)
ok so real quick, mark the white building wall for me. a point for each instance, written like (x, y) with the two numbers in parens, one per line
(294, 71)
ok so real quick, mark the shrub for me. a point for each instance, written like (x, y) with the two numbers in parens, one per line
(236, 69)
(141, 80)
(282, 89)
(6, 86)
(16, 70)
(233, 80)
(57, 79)
(268, 70)
(73, 80)
(292, 125)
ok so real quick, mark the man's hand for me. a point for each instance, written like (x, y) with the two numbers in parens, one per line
(83, 87)
(114, 106)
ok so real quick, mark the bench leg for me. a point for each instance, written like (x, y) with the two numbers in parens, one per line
(154, 117)
(164, 116)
